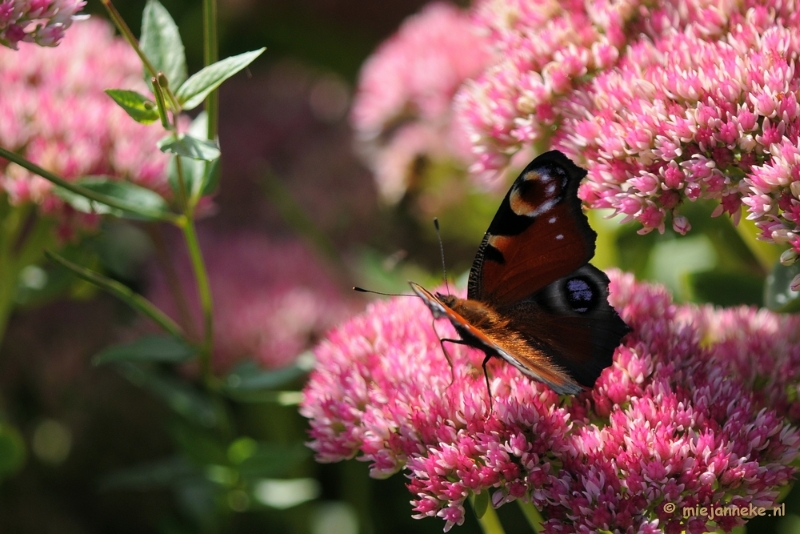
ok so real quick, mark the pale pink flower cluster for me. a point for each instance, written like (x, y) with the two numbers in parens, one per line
(43, 22)
(403, 106)
(54, 112)
(662, 101)
(272, 299)
(698, 409)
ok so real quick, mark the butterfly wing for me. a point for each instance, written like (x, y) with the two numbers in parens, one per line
(496, 340)
(538, 235)
(571, 322)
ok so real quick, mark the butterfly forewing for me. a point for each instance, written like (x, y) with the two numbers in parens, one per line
(538, 235)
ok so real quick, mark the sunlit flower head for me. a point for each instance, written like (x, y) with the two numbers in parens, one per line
(697, 409)
(43, 22)
(54, 112)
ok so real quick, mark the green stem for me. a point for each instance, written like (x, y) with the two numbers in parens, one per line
(489, 522)
(532, 514)
(206, 302)
(88, 193)
(211, 55)
(124, 293)
(126, 32)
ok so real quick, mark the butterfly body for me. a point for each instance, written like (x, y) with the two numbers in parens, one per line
(533, 299)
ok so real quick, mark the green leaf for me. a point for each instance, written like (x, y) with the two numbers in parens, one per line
(152, 205)
(273, 460)
(12, 450)
(139, 107)
(160, 349)
(725, 288)
(194, 90)
(190, 147)
(200, 177)
(200, 446)
(158, 474)
(121, 291)
(247, 379)
(777, 294)
(161, 43)
(186, 401)
(480, 503)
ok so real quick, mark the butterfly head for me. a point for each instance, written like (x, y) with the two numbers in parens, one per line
(438, 303)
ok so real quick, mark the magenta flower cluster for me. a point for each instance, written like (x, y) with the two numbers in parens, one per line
(55, 113)
(272, 299)
(663, 102)
(403, 106)
(43, 22)
(698, 410)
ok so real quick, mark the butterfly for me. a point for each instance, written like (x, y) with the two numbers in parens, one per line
(533, 299)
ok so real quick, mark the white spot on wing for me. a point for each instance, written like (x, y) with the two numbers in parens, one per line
(551, 220)
(560, 237)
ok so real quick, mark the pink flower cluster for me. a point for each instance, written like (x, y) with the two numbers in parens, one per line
(54, 112)
(661, 101)
(272, 299)
(698, 409)
(402, 109)
(43, 22)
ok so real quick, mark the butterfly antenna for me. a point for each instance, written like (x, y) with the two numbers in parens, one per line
(441, 253)
(362, 290)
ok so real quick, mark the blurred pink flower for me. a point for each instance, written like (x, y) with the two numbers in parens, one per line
(54, 112)
(272, 299)
(402, 109)
(697, 410)
(43, 22)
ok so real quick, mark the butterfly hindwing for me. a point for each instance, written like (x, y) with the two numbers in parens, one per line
(538, 235)
(571, 322)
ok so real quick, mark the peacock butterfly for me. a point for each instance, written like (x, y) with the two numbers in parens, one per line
(533, 299)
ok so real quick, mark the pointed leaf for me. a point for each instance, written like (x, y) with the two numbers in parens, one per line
(162, 349)
(273, 460)
(249, 377)
(726, 288)
(200, 177)
(161, 43)
(190, 147)
(152, 203)
(139, 107)
(186, 401)
(480, 503)
(157, 474)
(199, 85)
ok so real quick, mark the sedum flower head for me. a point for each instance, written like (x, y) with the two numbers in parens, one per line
(272, 299)
(55, 113)
(402, 109)
(698, 409)
(43, 22)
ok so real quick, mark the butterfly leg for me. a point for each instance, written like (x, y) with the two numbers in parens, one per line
(446, 355)
(488, 387)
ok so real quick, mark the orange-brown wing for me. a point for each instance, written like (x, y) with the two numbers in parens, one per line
(539, 234)
(499, 341)
(571, 322)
